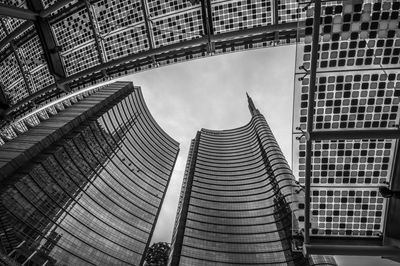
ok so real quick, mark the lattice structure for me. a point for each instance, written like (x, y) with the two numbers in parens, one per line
(357, 87)
(239, 15)
(116, 31)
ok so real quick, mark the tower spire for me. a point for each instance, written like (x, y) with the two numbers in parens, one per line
(253, 110)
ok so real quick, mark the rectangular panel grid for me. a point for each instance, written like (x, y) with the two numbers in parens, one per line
(12, 23)
(40, 78)
(358, 88)
(114, 15)
(237, 15)
(293, 10)
(347, 212)
(81, 59)
(2, 34)
(126, 42)
(73, 30)
(356, 36)
(48, 3)
(17, 91)
(160, 8)
(9, 71)
(351, 100)
(31, 54)
(178, 27)
(289, 10)
(348, 162)
(18, 3)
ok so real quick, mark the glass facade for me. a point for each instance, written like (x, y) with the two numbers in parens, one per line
(93, 196)
(237, 201)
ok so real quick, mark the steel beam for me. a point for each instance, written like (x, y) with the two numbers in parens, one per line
(351, 250)
(94, 31)
(21, 68)
(49, 45)
(12, 35)
(310, 116)
(176, 47)
(275, 10)
(17, 12)
(345, 240)
(59, 4)
(392, 219)
(227, 37)
(206, 14)
(355, 134)
(149, 30)
(16, 55)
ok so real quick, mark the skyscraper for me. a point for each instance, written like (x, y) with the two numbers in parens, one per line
(85, 187)
(238, 201)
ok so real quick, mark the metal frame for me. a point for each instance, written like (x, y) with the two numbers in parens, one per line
(310, 116)
(55, 64)
(17, 12)
(206, 12)
(17, 58)
(351, 250)
(320, 245)
(149, 30)
(355, 134)
(177, 48)
(94, 31)
(12, 35)
(49, 45)
(57, 5)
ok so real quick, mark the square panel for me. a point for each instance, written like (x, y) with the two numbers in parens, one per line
(81, 59)
(350, 100)
(123, 43)
(177, 27)
(356, 212)
(357, 88)
(116, 15)
(347, 163)
(73, 30)
(160, 8)
(237, 15)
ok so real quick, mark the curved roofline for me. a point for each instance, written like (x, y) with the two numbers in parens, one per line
(205, 130)
(61, 72)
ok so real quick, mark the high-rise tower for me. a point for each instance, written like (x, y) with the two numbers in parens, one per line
(85, 187)
(237, 204)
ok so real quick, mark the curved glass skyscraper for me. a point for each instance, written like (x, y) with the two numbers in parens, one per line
(85, 187)
(237, 201)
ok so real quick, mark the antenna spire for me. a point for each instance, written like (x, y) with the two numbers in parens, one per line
(253, 110)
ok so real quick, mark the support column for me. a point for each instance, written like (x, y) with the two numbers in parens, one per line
(49, 45)
(310, 117)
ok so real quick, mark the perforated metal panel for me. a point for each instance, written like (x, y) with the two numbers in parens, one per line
(357, 87)
(119, 30)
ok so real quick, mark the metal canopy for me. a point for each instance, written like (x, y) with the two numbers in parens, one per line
(17, 12)
(49, 44)
(167, 41)
(348, 147)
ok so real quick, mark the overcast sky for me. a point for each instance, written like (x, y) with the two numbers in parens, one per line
(211, 93)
